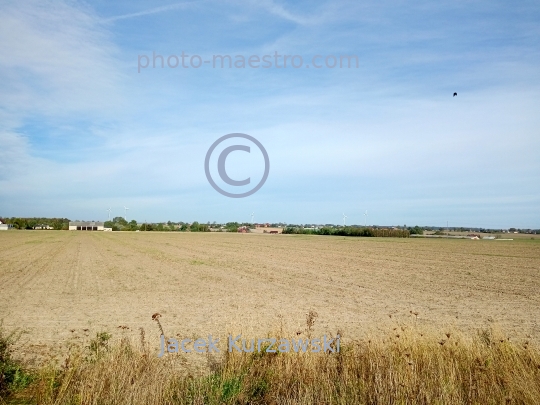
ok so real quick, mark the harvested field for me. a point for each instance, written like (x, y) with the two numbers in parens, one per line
(56, 284)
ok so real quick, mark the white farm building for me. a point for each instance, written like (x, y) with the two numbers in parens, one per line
(86, 226)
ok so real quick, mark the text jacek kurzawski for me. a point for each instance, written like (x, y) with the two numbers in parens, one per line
(268, 345)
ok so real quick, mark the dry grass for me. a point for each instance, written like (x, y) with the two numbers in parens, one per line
(413, 368)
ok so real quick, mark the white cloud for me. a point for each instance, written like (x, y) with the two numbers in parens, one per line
(58, 60)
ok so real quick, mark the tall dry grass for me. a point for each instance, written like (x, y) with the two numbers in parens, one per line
(405, 368)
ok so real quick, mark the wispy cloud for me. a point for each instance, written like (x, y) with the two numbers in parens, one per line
(58, 70)
(269, 6)
(154, 10)
(58, 60)
(278, 10)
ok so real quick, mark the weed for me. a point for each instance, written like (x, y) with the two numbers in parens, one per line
(12, 375)
(310, 321)
(196, 262)
(99, 345)
(156, 317)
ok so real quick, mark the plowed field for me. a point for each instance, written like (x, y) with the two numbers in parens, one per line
(60, 286)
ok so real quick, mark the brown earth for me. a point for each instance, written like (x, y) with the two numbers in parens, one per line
(61, 286)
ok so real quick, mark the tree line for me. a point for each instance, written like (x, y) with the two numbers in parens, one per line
(31, 223)
(120, 224)
(350, 231)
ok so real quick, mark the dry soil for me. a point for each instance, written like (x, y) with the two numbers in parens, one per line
(61, 286)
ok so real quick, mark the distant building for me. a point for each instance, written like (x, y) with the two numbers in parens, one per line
(43, 226)
(5, 227)
(86, 226)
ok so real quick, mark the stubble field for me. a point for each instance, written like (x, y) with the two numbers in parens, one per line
(62, 286)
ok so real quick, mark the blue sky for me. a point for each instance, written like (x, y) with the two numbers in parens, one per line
(81, 130)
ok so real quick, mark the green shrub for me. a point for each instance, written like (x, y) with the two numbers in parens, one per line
(12, 375)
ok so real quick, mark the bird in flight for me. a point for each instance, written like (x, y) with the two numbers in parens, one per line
(455, 94)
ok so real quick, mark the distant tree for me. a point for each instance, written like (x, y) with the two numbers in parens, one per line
(18, 223)
(57, 225)
(232, 226)
(416, 230)
(197, 227)
(120, 220)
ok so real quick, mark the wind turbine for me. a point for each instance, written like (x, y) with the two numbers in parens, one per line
(125, 212)
(365, 218)
(109, 210)
(252, 215)
(344, 218)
